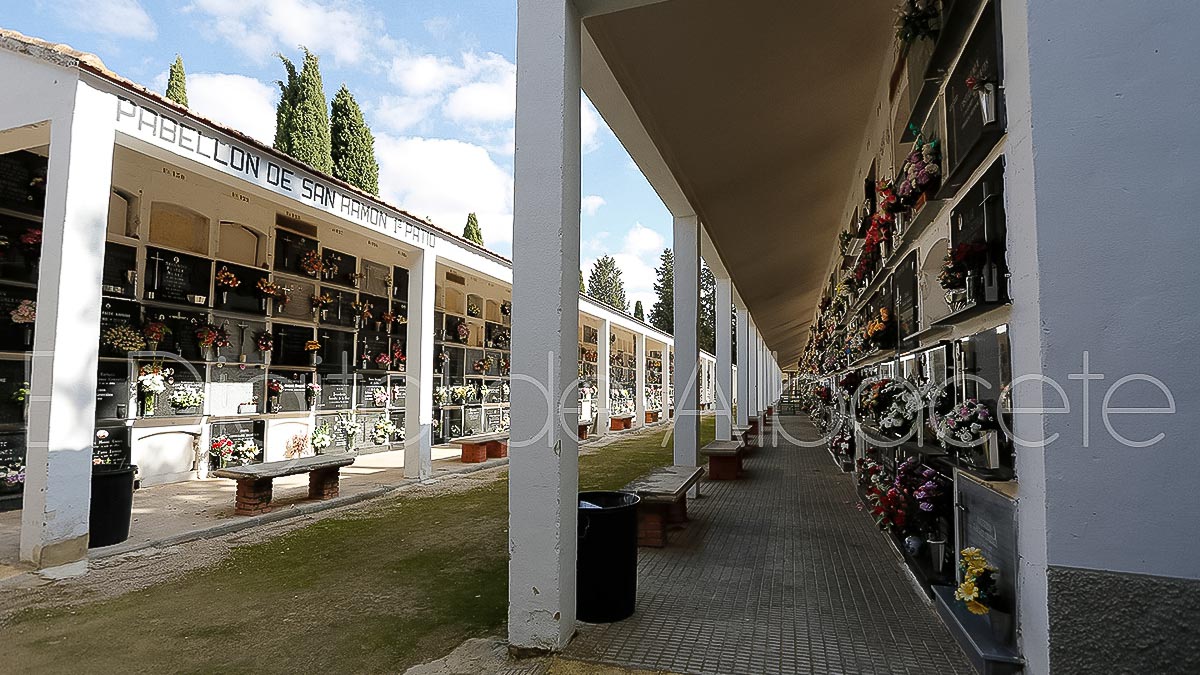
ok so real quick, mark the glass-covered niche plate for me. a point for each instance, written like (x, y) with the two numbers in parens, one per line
(341, 310)
(337, 351)
(16, 337)
(294, 397)
(290, 345)
(184, 383)
(291, 251)
(182, 338)
(339, 268)
(377, 279)
(299, 305)
(234, 390)
(241, 432)
(119, 277)
(372, 391)
(123, 314)
(235, 289)
(177, 278)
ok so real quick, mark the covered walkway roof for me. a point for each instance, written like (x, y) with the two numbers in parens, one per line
(750, 115)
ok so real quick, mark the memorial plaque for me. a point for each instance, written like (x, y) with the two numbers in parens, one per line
(13, 378)
(243, 340)
(987, 520)
(177, 277)
(452, 423)
(113, 313)
(337, 351)
(340, 268)
(907, 310)
(293, 398)
(341, 312)
(182, 338)
(397, 419)
(246, 298)
(23, 181)
(367, 424)
(113, 390)
(400, 284)
(15, 337)
(231, 386)
(399, 391)
(12, 456)
(368, 385)
(398, 347)
(329, 422)
(493, 418)
(290, 249)
(968, 137)
(289, 345)
(111, 445)
(370, 346)
(472, 420)
(240, 432)
(377, 279)
(120, 270)
(377, 306)
(19, 259)
(299, 304)
(337, 392)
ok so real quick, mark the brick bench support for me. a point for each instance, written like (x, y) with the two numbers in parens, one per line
(253, 496)
(324, 483)
(474, 453)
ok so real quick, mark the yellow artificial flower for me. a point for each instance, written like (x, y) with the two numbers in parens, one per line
(977, 607)
(971, 553)
(967, 591)
(976, 568)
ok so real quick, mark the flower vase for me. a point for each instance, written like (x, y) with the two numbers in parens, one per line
(974, 289)
(312, 356)
(151, 345)
(937, 553)
(148, 405)
(28, 336)
(378, 326)
(224, 297)
(210, 353)
(987, 102)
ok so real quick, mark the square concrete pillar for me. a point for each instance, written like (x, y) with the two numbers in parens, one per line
(724, 366)
(687, 351)
(666, 383)
(544, 447)
(58, 474)
(639, 394)
(418, 411)
(603, 377)
(744, 365)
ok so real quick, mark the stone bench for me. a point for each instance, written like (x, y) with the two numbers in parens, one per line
(584, 426)
(254, 480)
(724, 459)
(481, 447)
(652, 416)
(619, 422)
(664, 501)
(747, 435)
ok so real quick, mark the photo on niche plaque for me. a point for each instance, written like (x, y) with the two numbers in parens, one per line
(177, 278)
(19, 336)
(235, 289)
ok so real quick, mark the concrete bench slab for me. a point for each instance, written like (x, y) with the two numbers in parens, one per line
(254, 481)
(663, 503)
(724, 459)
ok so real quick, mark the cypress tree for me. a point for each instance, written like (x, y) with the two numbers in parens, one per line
(707, 335)
(582, 288)
(638, 313)
(302, 117)
(662, 312)
(605, 283)
(177, 82)
(352, 144)
(472, 232)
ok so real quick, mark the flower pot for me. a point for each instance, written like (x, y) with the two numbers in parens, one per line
(937, 554)
(987, 102)
(111, 505)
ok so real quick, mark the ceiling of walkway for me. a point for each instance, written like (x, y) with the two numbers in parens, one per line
(758, 110)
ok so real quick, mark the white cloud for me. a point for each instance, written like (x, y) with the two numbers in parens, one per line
(444, 180)
(241, 102)
(589, 126)
(438, 26)
(119, 18)
(592, 203)
(401, 114)
(341, 29)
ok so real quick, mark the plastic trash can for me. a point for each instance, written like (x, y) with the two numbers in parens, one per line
(111, 505)
(606, 561)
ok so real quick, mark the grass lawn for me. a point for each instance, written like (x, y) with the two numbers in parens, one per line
(376, 591)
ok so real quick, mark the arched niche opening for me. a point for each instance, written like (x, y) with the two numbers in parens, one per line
(178, 227)
(933, 298)
(240, 244)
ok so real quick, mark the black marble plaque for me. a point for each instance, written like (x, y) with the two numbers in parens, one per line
(341, 312)
(340, 268)
(337, 392)
(13, 378)
(177, 277)
(182, 338)
(290, 249)
(243, 340)
(246, 298)
(114, 312)
(397, 418)
(492, 418)
(987, 521)
(20, 256)
(23, 182)
(113, 389)
(16, 337)
(120, 270)
(240, 432)
(907, 312)
(472, 420)
(377, 306)
(293, 398)
(980, 59)
(367, 423)
(399, 391)
(111, 444)
(289, 345)
(368, 385)
(337, 351)
(400, 284)
(370, 345)
(399, 352)
(12, 454)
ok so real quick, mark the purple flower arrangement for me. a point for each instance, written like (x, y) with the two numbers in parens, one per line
(920, 173)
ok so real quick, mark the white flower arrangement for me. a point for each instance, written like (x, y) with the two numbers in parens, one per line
(154, 381)
(186, 397)
(904, 409)
(346, 426)
(245, 453)
(321, 438)
(384, 431)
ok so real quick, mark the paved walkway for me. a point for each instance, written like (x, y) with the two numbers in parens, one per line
(777, 573)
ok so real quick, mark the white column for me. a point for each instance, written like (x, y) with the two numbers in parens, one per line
(418, 381)
(744, 367)
(54, 518)
(724, 379)
(639, 394)
(687, 353)
(603, 376)
(544, 448)
(752, 409)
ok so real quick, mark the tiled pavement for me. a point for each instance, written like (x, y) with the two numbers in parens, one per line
(777, 573)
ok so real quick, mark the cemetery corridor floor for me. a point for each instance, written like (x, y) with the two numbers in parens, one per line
(777, 572)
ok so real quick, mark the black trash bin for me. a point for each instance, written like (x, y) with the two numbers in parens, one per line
(111, 506)
(606, 562)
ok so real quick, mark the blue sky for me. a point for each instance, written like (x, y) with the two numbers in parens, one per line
(435, 78)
